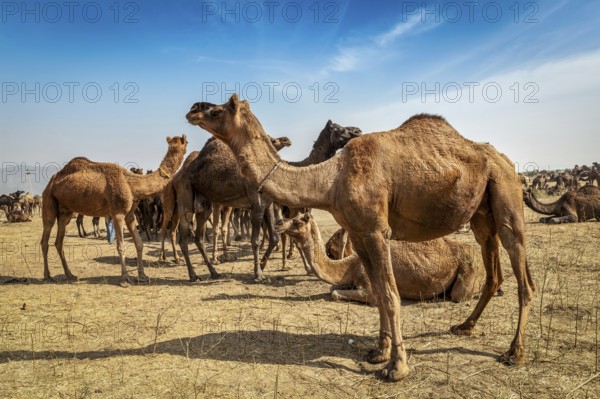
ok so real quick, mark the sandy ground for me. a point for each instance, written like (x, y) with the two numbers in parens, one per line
(286, 339)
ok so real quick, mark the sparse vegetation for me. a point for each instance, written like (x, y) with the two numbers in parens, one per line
(233, 338)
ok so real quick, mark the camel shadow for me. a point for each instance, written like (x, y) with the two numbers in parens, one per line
(243, 345)
(278, 346)
(243, 297)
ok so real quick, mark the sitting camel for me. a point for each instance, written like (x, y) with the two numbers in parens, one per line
(15, 216)
(572, 206)
(422, 270)
(103, 189)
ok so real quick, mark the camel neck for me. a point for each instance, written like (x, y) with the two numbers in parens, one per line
(308, 186)
(338, 272)
(544, 209)
(144, 186)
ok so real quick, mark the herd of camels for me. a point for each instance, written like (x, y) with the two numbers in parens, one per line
(394, 221)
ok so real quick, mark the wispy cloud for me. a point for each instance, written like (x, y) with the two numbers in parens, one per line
(354, 57)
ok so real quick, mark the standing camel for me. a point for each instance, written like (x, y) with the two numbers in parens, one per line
(103, 189)
(169, 197)
(375, 189)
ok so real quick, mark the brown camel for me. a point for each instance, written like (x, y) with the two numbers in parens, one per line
(332, 138)
(15, 216)
(422, 270)
(572, 206)
(540, 182)
(594, 175)
(170, 215)
(181, 179)
(81, 229)
(103, 189)
(338, 246)
(375, 190)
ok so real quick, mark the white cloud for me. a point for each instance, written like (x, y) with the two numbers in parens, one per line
(353, 57)
(559, 130)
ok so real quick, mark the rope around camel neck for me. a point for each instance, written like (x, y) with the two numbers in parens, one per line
(260, 186)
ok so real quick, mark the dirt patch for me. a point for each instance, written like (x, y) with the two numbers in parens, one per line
(233, 338)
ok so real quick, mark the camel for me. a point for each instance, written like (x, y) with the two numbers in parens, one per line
(15, 216)
(103, 189)
(331, 139)
(95, 225)
(374, 188)
(572, 206)
(594, 175)
(170, 215)
(422, 270)
(338, 246)
(540, 182)
(170, 210)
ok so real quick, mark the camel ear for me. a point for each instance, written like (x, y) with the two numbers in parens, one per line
(329, 122)
(233, 101)
(184, 138)
(168, 139)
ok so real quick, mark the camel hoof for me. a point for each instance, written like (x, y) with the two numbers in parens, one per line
(72, 277)
(291, 256)
(394, 371)
(142, 278)
(376, 356)
(50, 279)
(216, 276)
(125, 283)
(262, 280)
(500, 292)
(461, 329)
(512, 357)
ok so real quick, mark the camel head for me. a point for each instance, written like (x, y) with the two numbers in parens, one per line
(177, 143)
(340, 135)
(226, 121)
(280, 142)
(300, 228)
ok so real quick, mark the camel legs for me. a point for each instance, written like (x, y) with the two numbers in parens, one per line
(169, 215)
(139, 245)
(374, 251)
(259, 214)
(63, 221)
(118, 222)
(80, 229)
(362, 296)
(49, 218)
(505, 223)
(222, 213)
(201, 219)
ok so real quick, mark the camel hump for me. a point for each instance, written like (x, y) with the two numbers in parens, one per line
(424, 117)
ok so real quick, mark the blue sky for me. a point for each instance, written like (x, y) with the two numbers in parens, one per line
(520, 75)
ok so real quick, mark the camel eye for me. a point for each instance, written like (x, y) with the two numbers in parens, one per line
(215, 112)
(297, 223)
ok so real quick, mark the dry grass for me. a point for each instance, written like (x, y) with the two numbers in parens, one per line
(286, 339)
